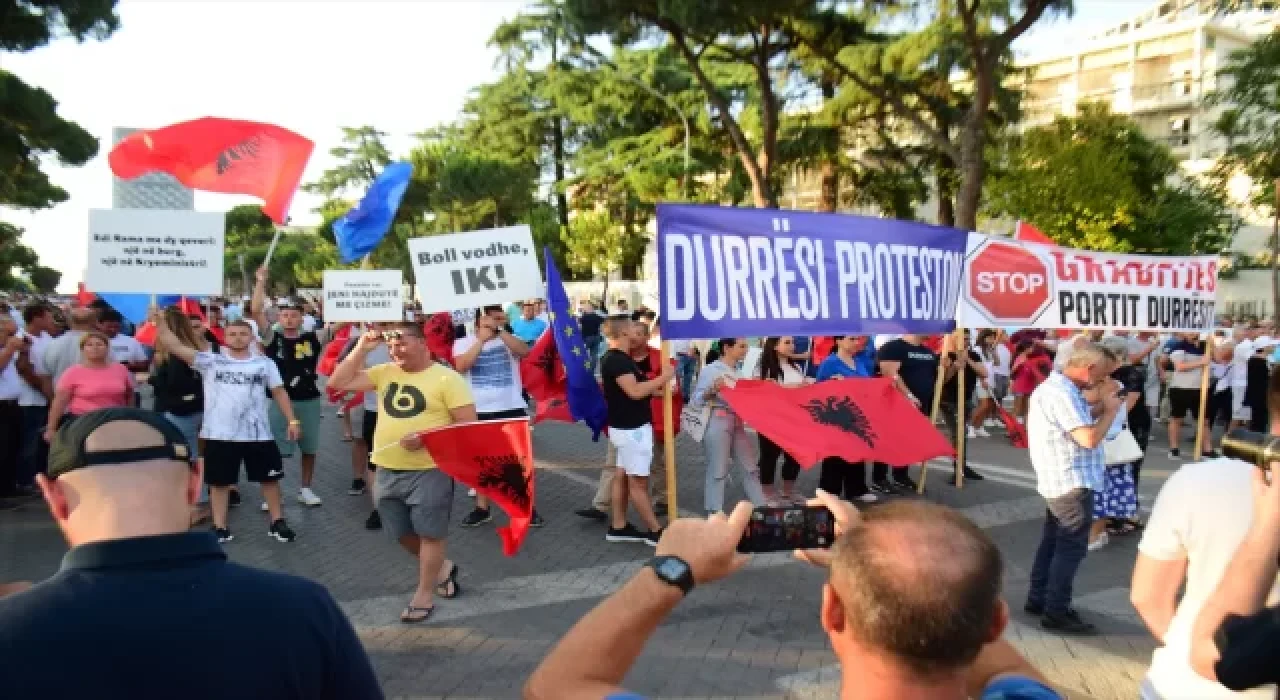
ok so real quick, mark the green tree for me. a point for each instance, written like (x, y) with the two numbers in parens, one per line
(31, 131)
(44, 279)
(1250, 100)
(1097, 182)
(596, 243)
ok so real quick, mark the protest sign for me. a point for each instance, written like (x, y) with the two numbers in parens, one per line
(729, 272)
(477, 268)
(155, 251)
(1021, 284)
(363, 295)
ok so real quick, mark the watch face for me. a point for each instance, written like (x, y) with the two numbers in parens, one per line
(670, 569)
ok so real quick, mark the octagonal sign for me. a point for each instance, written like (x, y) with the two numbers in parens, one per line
(1009, 284)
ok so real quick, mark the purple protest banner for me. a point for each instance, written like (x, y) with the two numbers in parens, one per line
(728, 272)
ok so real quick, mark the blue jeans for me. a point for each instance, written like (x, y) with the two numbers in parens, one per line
(595, 345)
(1064, 542)
(190, 428)
(35, 451)
(686, 370)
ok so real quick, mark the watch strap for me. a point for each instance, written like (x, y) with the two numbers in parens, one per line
(660, 567)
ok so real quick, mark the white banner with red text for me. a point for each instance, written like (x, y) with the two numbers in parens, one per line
(1017, 284)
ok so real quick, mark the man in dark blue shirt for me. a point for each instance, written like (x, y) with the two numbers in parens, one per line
(142, 609)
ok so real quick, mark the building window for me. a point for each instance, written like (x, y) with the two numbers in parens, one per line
(1180, 131)
(1210, 42)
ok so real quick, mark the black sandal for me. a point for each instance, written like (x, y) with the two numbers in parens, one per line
(407, 618)
(444, 587)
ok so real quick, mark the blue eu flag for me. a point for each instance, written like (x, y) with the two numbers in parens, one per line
(360, 230)
(586, 402)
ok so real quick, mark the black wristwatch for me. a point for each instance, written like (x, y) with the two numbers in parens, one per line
(673, 571)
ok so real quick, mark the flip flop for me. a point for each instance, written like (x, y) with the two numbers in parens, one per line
(442, 588)
(407, 617)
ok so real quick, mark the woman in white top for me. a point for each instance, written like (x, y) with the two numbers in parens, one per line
(983, 396)
(726, 438)
(777, 365)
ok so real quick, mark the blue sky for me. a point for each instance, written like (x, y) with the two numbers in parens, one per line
(309, 65)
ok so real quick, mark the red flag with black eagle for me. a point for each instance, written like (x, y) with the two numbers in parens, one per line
(438, 331)
(854, 419)
(543, 377)
(496, 459)
(220, 155)
(329, 361)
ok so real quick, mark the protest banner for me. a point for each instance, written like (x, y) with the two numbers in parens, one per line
(476, 268)
(363, 295)
(155, 251)
(728, 272)
(1022, 284)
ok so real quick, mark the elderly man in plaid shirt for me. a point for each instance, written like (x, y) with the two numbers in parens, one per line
(1066, 434)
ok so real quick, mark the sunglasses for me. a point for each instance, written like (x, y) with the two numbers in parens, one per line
(391, 335)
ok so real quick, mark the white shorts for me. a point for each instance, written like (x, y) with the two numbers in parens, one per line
(635, 449)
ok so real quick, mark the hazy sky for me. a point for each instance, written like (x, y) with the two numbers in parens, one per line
(309, 65)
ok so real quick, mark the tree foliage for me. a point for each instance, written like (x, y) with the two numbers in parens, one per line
(1251, 101)
(1096, 182)
(44, 279)
(31, 130)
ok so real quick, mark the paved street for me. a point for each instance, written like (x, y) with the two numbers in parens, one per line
(755, 635)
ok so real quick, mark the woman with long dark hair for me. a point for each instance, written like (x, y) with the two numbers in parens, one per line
(777, 365)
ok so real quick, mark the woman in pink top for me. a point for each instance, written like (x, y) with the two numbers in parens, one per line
(94, 384)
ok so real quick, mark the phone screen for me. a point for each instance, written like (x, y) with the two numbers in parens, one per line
(783, 529)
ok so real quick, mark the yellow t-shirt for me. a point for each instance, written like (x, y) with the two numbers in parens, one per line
(409, 402)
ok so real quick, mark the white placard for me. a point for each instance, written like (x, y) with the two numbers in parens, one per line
(477, 268)
(155, 251)
(363, 295)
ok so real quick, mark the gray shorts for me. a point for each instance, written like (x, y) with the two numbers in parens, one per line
(414, 502)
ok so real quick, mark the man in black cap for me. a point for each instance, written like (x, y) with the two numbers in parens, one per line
(141, 608)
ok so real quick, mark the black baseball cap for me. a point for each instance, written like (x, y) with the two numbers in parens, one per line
(68, 452)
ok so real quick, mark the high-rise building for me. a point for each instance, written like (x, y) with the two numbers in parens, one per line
(150, 191)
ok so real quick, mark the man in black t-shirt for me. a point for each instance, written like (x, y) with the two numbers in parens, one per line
(912, 368)
(296, 354)
(589, 321)
(626, 395)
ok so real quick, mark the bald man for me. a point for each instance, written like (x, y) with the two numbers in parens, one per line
(141, 608)
(64, 351)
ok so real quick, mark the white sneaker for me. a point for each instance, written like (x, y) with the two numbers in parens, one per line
(993, 423)
(471, 493)
(972, 433)
(868, 498)
(265, 508)
(307, 497)
(1099, 543)
(982, 432)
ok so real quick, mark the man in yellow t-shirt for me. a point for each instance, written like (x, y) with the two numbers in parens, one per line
(415, 393)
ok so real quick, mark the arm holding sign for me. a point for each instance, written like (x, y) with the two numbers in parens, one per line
(350, 374)
(170, 342)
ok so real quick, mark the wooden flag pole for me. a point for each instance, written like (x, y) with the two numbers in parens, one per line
(962, 356)
(669, 438)
(1201, 427)
(936, 405)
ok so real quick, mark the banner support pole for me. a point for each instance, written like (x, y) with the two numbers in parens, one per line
(962, 428)
(1203, 430)
(936, 405)
(669, 438)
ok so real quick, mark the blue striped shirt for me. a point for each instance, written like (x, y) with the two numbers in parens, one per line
(1057, 408)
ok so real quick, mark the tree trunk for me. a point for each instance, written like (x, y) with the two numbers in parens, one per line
(945, 181)
(1275, 253)
(830, 194)
(972, 164)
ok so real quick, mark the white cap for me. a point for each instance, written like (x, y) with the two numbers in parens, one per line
(1264, 341)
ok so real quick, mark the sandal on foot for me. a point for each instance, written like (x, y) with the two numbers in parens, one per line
(449, 588)
(408, 617)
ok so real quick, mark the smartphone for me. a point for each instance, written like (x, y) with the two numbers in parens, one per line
(782, 529)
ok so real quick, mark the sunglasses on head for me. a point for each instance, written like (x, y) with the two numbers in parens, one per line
(391, 335)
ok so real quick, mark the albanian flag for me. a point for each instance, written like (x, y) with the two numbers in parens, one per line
(220, 155)
(146, 333)
(496, 459)
(1017, 432)
(329, 361)
(854, 419)
(1023, 231)
(438, 331)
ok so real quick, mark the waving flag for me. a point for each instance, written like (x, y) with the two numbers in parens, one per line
(83, 296)
(360, 230)
(496, 459)
(438, 332)
(855, 419)
(220, 155)
(583, 394)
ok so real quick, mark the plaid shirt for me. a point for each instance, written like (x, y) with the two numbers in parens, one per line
(1058, 407)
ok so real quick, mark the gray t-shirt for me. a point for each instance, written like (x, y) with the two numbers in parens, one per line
(1188, 378)
(61, 353)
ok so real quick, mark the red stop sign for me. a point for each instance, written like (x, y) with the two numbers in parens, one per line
(1009, 284)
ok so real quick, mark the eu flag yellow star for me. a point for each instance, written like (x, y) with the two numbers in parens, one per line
(577, 350)
(568, 331)
(551, 315)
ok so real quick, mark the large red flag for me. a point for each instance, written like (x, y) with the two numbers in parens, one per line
(221, 155)
(541, 371)
(83, 296)
(496, 459)
(855, 419)
(1024, 231)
